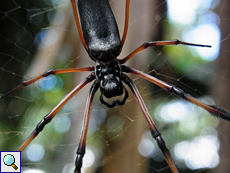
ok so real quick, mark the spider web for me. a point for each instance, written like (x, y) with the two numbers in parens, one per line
(38, 36)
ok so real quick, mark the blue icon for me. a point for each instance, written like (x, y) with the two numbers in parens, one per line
(9, 160)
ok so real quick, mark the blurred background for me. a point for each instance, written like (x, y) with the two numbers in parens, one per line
(36, 36)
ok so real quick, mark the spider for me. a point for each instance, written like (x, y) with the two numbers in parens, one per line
(100, 38)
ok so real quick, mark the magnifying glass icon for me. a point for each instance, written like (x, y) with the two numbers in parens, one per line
(9, 160)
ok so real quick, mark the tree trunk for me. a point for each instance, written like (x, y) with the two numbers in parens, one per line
(221, 87)
(122, 153)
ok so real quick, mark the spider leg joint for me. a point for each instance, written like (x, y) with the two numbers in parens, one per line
(78, 162)
(42, 124)
(161, 143)
(176, 91)
(49, 72)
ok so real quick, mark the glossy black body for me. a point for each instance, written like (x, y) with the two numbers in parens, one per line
(99, 29)
(103, 43)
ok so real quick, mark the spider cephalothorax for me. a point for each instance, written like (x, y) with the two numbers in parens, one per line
(109, 78)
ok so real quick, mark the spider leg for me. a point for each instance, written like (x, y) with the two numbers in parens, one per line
(158, 43)
(113, 104)
(82, 143)
(154, 131)
(75, 11)
(126, 22)
(212, 109)
(47, 73)
(54, 111)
